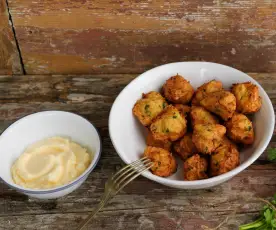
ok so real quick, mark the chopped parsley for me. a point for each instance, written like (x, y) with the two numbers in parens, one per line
(272, 154)
(174, 116)
(147, 109)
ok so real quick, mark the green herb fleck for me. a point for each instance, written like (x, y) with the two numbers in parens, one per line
(174, 116)
(147, 109)
(167, 130)
(272, 156)
(206, 149)
(267, 220)
(164, 105)
(248, 128)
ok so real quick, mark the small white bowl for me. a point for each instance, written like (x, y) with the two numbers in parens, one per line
(128, 135)
(39, 126)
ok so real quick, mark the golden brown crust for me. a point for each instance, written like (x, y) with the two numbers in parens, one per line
(202, 91)
(195, 168)
(170, 125)
(222, 103)
(248, 99)
(240, 129)
(149, 107)
(185, 147)
(199, 115)
(164, 162)
(224, 159)
(158, 143)
(226, 141)
(184, 109)
(207, 137)
(178, 90)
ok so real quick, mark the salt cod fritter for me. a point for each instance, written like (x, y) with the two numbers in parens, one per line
(149, 107)
(195, 168)
(207, 137)
(164, 162)
(240, 129)
(178, 90)
(164, 144)
(222, 103)
(170, 125)
(185, 147)
(248, 99)
(199, 115)
(205, 89)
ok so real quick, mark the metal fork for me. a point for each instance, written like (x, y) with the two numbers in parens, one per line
(117, 182)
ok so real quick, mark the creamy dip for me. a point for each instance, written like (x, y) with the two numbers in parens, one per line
(50, 163)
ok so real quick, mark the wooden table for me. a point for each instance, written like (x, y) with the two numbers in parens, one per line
(111, 42)
(130, 36)
(143, 204)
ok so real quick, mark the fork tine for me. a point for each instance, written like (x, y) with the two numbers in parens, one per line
(111, 188)
(133, 167)
(135, 171)
(132, 178)
(129, 166)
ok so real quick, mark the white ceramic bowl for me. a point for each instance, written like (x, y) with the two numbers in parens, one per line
(42, 125)
(128, 135)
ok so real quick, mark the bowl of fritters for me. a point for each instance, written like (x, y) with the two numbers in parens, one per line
(199, 123)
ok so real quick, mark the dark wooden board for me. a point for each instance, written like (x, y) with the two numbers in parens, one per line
(107, 36)
(9, 57)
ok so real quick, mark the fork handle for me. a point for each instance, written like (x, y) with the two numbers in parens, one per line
(90, 216)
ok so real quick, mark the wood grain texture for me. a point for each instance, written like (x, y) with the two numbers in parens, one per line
(66, 36)
(143, 204)
(9, 57)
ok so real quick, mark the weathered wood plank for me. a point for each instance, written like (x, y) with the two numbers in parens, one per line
(126, 219)
(131, 36)
(156, 207)
(9, 57)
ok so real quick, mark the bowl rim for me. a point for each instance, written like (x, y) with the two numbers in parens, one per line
(214, 179)
(72, 183)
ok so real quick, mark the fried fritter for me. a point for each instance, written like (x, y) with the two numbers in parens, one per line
(164, 162)
(224, 159)
(178, 90)
(207, 137)
(149, 107)
(202, 91)
(248, 99)
(170, 125)
(158, 143)
(195, 168)
(199, 115)
(226, 141)
(184, 109)
(185, 147)
(240, 129)
(222, 103)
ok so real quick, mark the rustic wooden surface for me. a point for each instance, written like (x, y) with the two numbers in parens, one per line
(69, 36)
(144, 204)
(9, 57)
